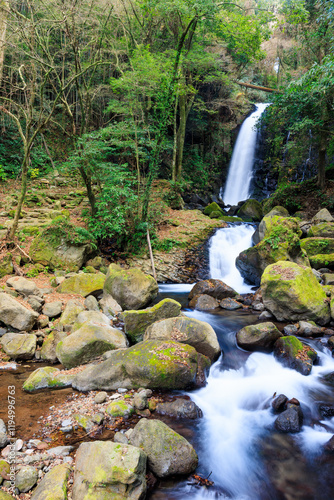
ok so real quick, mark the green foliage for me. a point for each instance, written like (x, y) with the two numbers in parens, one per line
(167, 244)
(61, 229)
(32, 273)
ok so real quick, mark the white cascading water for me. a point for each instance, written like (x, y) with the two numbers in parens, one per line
(241, 165)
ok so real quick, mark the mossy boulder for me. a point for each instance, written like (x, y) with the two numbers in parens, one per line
(88, 342)
(167, 452)
(216, 214)
(90, 318)
(48, 350)
(26, 478)
(105, 470)
(148, 364)
(5, 496)
(193, 332)
(294, 354)
(119, 409)
(291, 293)
(4, 469)
(282, 242)
(136, 322)
(322, 260)
(315, 246)
(19, 346)
(70, 313)
(251, 208)
(48, 376)
(131, 288)
(84, 284)
(6, 264)
(54, 484)
(60, 247)
(322, 216)
(213, 207)
(266, 223)
(14, 314)
(260, 337)
(322, 230)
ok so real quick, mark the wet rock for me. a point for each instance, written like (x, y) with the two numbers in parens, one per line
(53, 309)
(260, 337)
(91, 303)
(326, 411)
(26, 478)
(215, 288)
(289, 420)
(180, 408)
(329, 446)
(292, 353)
(54, 484)
(291, 292)
(150, 364)
(331, 342)
(87, 343)
(230, 304)
(47, 377)
(85, 284)
(131, 288)
(307, 329)
(190, 331)
(109, 470)
(265, 315)
(136, 322)
(290, 330)
(204, 303)
(14, 314)
(279, 403)
(19, 345)
(168, 453)
(100, 397)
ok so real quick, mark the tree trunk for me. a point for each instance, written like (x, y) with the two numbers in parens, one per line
(322, 160)
(4, 7)
(181, 133)
(24, 171)
(91, 196)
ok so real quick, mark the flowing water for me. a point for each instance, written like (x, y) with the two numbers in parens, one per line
(241, 166)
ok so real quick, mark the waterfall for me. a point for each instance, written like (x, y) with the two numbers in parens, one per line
(241, 166)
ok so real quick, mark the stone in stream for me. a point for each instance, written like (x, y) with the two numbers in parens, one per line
(194, 332)
(203, 302)
(230, 304)
(308, 329)
(14, 314)
(291, 292)
(106, 470)
(19, 346)
(131, 288)
(168, 453)
(148, 364)
(260, 337)
(47, 376)
(215, 288)
(136, 322)
(87, 343)
(279, 403)
(85, 284)
(326, 411)
(329, 446)
(180, 408)
(26, 478)
(293, 354)
(54, 484)
(290, 420)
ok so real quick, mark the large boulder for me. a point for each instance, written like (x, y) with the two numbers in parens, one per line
(105, 470)
(131, 288)
(251, 209)
(14, 314)
(19, 345)
(47, 377)
(322, 216)
(48, 350)
(70, 313)
(136, 322)
(194, 332)
(260, 337)
(167, 452)
(291, 293)
(23, 286)
(88, 342)
(204, 302)
(280, 243)
(54, 484)
(215, 288)
(149, 364)
(84, 284)
(322, 230)
(266, 223)
(320, 251)
(56, 249)
(91, 318)
(179, 408)
(294, 354)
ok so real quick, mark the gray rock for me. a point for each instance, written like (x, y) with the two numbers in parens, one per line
(180, 408)
(322, 216)
(26, 478)
(328, 279)
(289, 420)
(204, 302)
(260, 337)
(290, 330)
(105, 470)
(23, 286)
(306, 329)
(140, 400)
(53, 484)
(265, 315)
(70, 313)
(120, 438)
(60, 451)
(35, 303)
(14, 314)
(91, 303)
(100, 397)
(90, 318)
(3, 439)
(230, 304)
(168, 453)
(19, 345)
(53, 309)
(109, 305)
(48, 350)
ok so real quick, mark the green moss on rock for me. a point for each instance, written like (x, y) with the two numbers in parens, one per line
(119, 409)
(213, 207)
(251, 208)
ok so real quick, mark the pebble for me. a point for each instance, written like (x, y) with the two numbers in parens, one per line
(121, 390)
(100, 397)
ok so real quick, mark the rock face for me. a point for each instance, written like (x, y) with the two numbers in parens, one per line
(150, 364)
(215, 288)
(251, 208)
(53, 485)
(281, 242)
(84, 284)
(168, 453)
(19, 345)
(87, 343)
(14, 314)
(292, 292)
(106, 470)
(189, 331)
(131, 288)
(204, 303)
(47, 377)
(258, 337)
(136, 322)
(293, 354)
